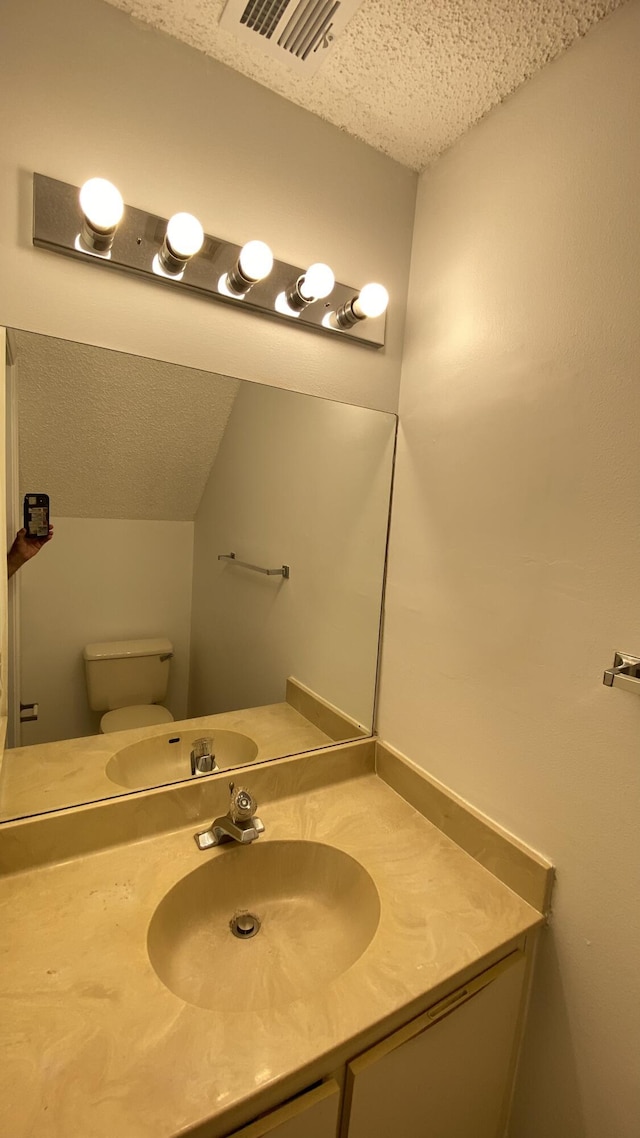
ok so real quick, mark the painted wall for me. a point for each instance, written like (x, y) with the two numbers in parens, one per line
(303, 482)
(515, 539)
(100, 579)
(90, 91)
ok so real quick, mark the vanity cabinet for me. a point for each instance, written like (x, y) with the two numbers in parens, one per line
(311, 1115)
(447, 1074)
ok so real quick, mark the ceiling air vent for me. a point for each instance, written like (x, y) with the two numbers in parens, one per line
(299, 33)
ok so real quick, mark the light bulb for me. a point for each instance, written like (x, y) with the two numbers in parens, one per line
(314, 284)
(101, 204)
(371, 301)
(255, 261)
(317, 282)
(185, 235)
(183, 239)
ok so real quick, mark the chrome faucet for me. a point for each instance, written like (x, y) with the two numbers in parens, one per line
(239, 824)
(203, 760)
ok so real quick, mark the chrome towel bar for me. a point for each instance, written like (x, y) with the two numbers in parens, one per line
(283, 571)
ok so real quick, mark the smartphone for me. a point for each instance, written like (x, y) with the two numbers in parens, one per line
(36, 515)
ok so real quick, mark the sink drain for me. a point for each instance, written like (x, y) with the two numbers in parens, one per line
(244, 925)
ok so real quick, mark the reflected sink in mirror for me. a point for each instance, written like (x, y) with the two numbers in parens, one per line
(167, 758)
(317, 911)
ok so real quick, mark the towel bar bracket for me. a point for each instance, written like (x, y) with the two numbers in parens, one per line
(625, 673)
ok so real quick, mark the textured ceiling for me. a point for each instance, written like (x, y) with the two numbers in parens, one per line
(406, 76)
(108, 435)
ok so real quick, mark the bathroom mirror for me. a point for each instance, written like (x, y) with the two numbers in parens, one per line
(172, 491)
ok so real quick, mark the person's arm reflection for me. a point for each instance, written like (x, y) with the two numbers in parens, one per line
(23, 549)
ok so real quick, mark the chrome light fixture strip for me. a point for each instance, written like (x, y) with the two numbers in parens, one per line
(57, 225)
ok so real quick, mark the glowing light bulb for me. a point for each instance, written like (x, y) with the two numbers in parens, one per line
(185, 235)
(101, 204)
(183, 239)
(255, 261)
(371, 301)
(317, 282)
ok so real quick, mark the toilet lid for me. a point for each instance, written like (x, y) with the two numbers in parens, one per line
(138, 715)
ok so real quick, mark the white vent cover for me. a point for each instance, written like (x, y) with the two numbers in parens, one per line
(297, 32)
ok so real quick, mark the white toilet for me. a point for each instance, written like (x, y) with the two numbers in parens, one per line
(125, 678)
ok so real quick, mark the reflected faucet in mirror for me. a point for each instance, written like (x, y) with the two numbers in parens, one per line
(203, 759)
(131, 632)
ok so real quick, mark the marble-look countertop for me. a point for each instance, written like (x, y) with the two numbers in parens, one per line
(51, 776)
(93, 1044)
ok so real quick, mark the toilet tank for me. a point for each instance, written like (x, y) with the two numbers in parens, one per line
(121, 673)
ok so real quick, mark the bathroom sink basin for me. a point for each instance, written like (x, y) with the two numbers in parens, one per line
(167, 757)
(308, 912)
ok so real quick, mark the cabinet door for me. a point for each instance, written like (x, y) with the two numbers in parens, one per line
(311, 1115)
(446, 1074)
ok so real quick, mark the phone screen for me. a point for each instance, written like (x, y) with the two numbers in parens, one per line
(36, 515)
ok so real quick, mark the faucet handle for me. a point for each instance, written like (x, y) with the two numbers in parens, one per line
(243, 805)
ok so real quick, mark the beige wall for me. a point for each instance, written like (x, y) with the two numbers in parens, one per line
(100, 579)
(516, 539)
(304, 482)
(85, 90)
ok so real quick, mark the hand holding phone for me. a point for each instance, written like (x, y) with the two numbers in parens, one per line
(36, 532)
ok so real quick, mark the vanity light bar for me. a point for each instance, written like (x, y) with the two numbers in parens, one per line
(142, 243)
